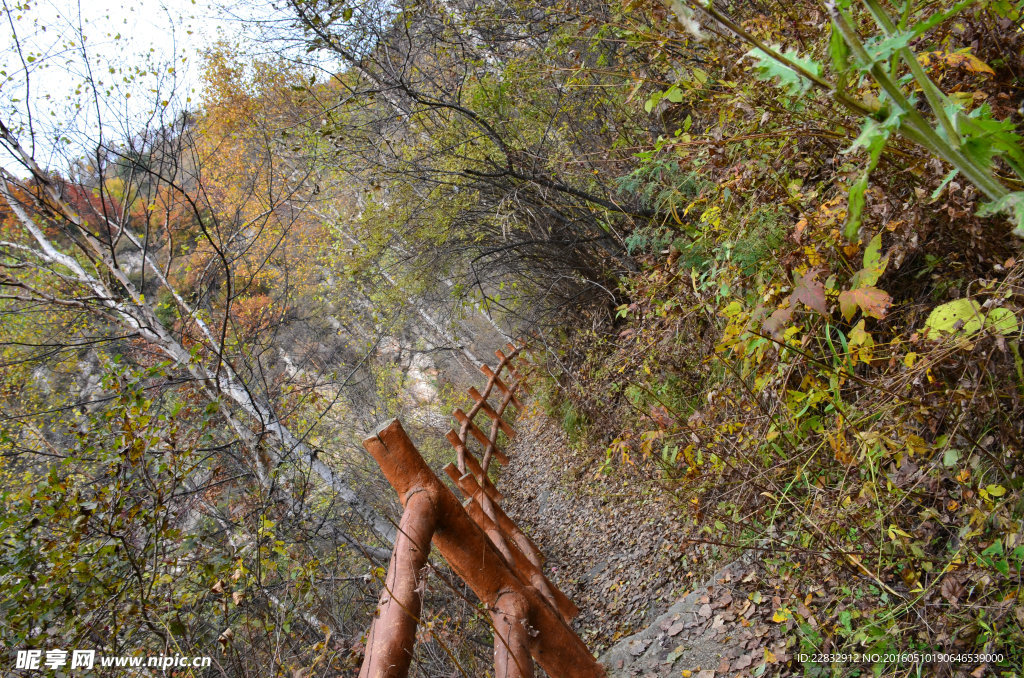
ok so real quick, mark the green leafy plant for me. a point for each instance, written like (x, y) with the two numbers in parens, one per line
(966, 316)
(968, 140)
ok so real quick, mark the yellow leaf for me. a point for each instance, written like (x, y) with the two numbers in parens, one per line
(895, 531)
(733, 309)
(969, 62)
(781, 615)
(916, 444)
(769, 656)
(996, 490)
(910, 359)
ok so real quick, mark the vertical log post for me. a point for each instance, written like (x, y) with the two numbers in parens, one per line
(393, 633)
(511, 638)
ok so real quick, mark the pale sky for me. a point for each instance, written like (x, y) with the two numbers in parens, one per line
(140, 54)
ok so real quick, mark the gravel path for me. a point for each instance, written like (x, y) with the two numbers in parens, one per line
(616, 547)
(611, 549)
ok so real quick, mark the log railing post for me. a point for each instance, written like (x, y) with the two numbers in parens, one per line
(511, 637)
(389, 646)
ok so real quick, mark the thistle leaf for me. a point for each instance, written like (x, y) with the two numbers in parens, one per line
(1012, 205)
(768, 67)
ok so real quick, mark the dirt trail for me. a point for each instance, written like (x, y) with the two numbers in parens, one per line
(617, 550)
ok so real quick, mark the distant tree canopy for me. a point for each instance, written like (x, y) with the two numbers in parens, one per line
(208, 311)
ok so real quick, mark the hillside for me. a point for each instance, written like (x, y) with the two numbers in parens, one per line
(763, 262)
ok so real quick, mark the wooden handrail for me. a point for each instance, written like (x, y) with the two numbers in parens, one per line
(484, 547)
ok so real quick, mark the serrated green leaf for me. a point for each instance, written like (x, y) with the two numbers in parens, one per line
(1011, 204)
(855, 207)
(874, 134)
(881, 49)
(984, 137)
(872, 137)
(769, 67)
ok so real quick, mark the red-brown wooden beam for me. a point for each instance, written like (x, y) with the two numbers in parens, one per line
(461, 417)
(517, 551)
(392, 635)
(554, 645)
(527, 572)
(470, 488)
(508, 363)
(488, 372)
(473, 466)
(489, 411)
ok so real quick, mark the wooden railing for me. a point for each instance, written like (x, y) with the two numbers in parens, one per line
(501, 565)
